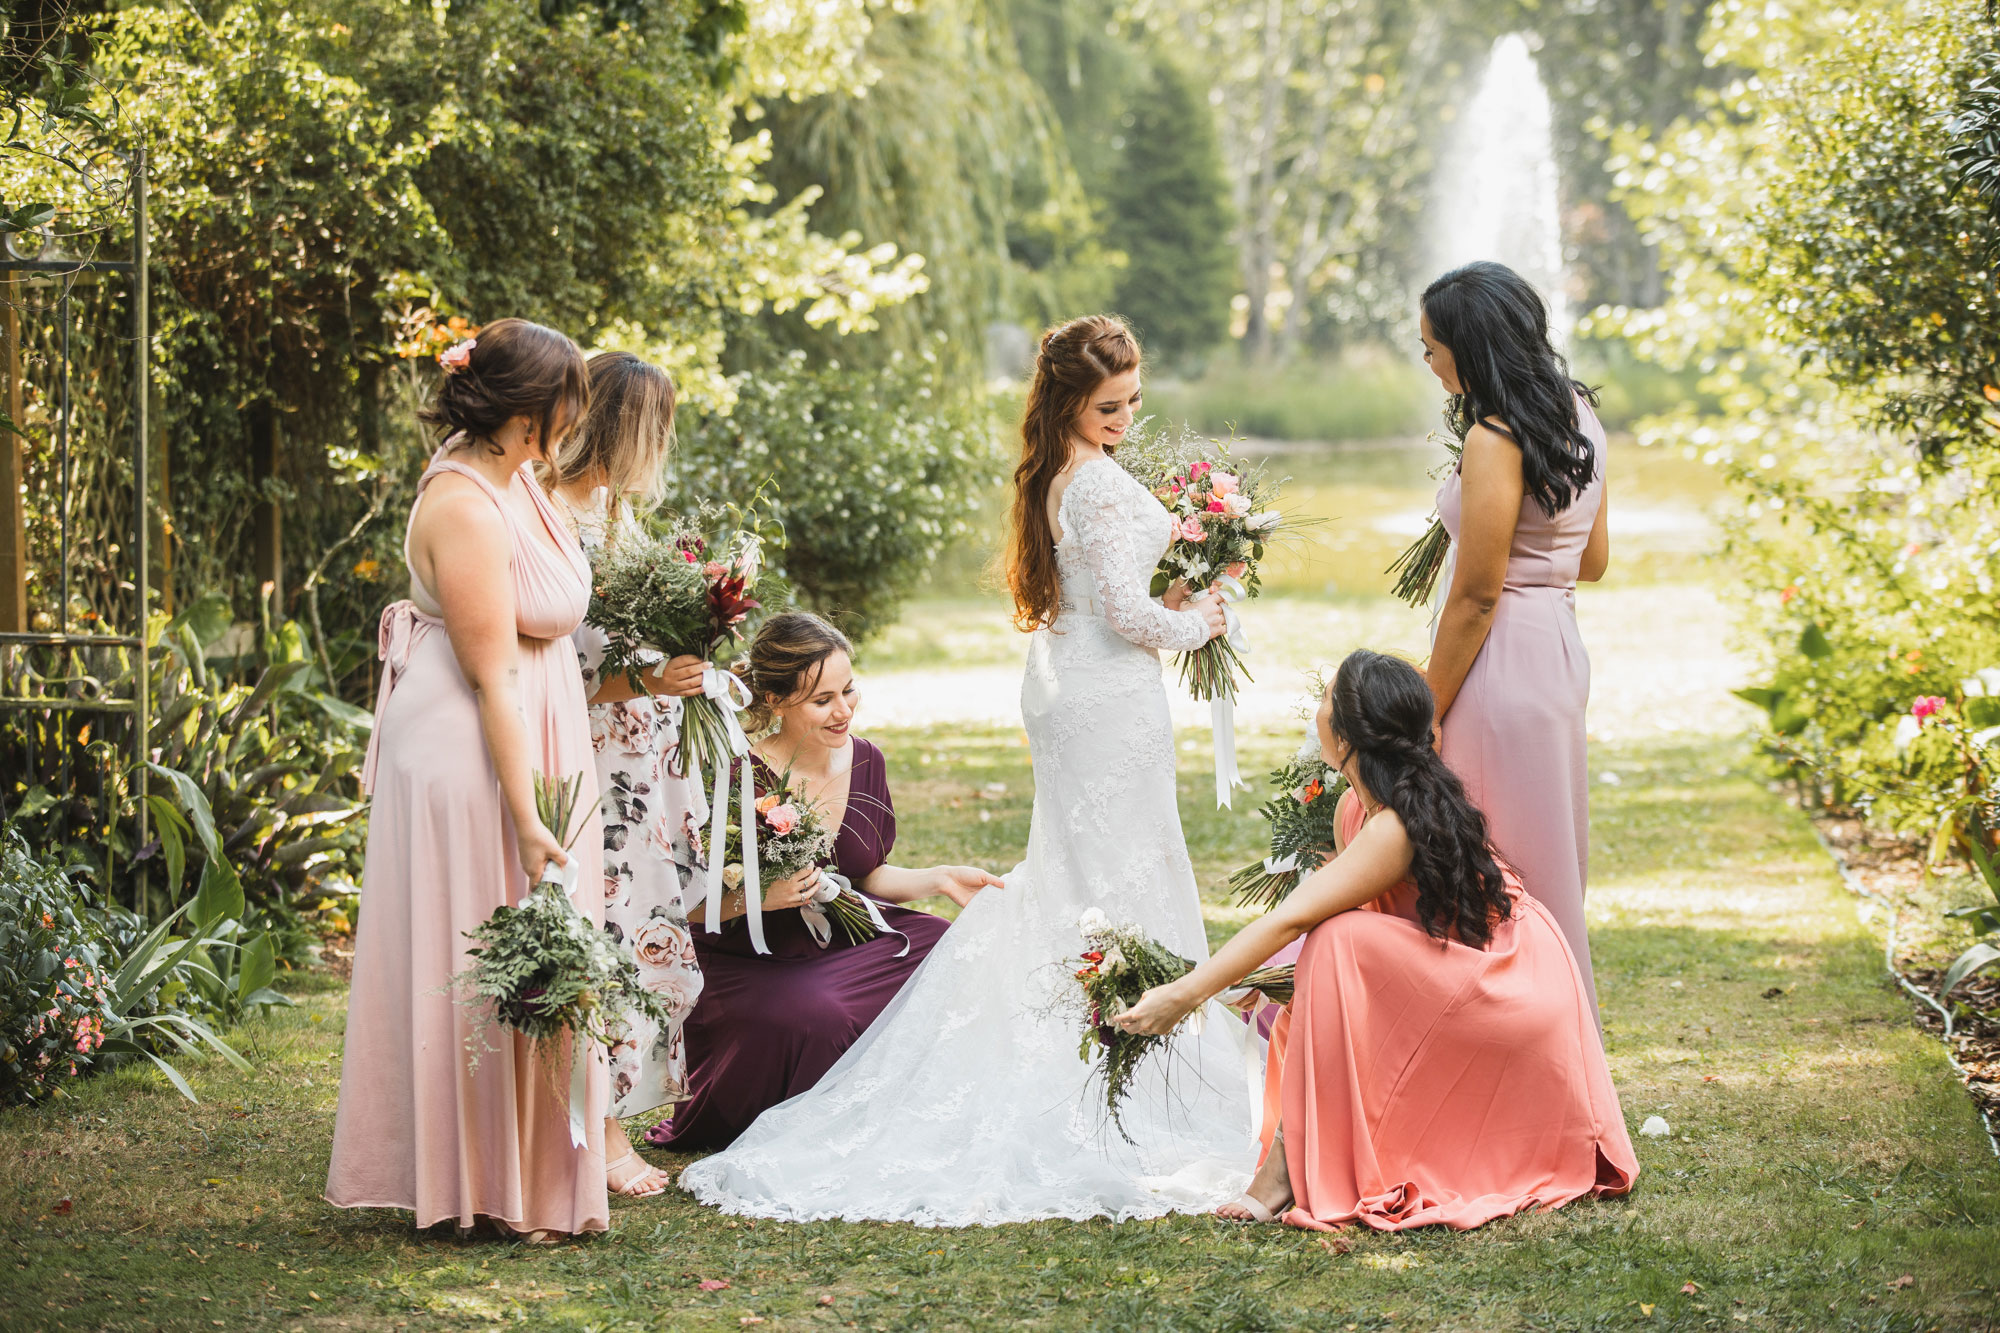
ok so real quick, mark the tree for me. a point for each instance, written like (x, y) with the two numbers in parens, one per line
(1170, 213)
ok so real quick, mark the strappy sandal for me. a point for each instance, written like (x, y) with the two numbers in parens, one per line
(637, 1186)
(541, 1236)
(1258, 1212)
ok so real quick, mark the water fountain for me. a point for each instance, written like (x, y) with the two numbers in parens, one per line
(1496, 191)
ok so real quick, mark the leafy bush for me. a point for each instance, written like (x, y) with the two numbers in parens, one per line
(53, 991)
(875, 471)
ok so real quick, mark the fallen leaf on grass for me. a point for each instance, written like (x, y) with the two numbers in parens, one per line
(1336, 1244)
(1711, 1078)
(826, 1300)
(1645, 1309)
(63, 1206)
(1904, 1281)
(1690, 1289)
(714, 1284)
(750, 1319)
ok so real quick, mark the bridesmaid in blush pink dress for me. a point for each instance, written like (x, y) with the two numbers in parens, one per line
(480, 688)
(1525, 510)
(1439, 1064)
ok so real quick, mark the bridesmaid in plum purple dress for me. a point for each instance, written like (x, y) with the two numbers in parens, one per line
(768, 1026)
(1525, 509)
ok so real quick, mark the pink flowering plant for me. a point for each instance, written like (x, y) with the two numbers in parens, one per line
(54, 992)
(1221, 507)
(675, 592)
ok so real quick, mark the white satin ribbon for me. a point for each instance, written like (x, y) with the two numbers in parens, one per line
(724, 688)
(564, 877)
(830, 885)
(1221, 711)
(1443, 588)
(1283, 865)
(579, 1053)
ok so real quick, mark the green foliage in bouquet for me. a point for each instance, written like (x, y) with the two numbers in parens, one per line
(1223, 523)
(1118, 965)
(1302, 814)
(792, 834)
(543, 969)
(1276, 983)
(1417, 568)
(675, 592)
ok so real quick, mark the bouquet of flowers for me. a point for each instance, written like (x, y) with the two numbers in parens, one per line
(1302, 818)
(543, 968)
(1417, 568)
(1222, 523)
(1117, 966)
(677, 593)
(1275, 983)
(791, 835)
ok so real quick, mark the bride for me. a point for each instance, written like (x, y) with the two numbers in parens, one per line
(966, 1102)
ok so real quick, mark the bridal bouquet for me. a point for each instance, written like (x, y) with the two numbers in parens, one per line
(1274, 983)
(1118, 965)
(1222, 524)
(1302, 818)
(791, 835)
(1417, 568)
(543, 969)
(677, 593)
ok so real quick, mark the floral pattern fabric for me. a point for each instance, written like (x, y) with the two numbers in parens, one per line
(653, 820)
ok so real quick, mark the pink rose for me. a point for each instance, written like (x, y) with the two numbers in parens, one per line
(1216, 506)
(1237, 570)
(1192, 530)
(457, 356)
(1198, 471)
(1224, 483)
(782, 819)
(1926, 707)
(1237, 505)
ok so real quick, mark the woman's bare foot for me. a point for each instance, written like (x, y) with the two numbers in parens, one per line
(1270, 1190)
(626, 1173)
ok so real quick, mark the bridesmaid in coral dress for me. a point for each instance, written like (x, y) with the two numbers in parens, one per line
(1525, 509)
(1439, 1063)
(480, 689)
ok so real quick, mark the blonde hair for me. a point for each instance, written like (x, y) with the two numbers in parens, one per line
(627, 435)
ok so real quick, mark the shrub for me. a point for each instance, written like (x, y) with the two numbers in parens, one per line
(875, 472)
(54, 993)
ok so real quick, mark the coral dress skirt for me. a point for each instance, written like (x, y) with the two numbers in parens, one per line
(1423, 1082)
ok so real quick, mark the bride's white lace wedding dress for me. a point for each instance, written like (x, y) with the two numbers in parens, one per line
(966, 1102)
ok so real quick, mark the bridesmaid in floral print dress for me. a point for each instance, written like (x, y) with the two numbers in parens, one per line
(653, 817)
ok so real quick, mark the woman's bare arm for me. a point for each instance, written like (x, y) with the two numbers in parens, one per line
(1490, 489)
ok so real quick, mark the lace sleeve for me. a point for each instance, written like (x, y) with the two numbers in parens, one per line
(1107, 536)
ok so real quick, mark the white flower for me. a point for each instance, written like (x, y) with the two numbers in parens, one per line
(1113, 959)
(1908, 728)
(1982, 684)
(732, 877)
(1093, 921)
(1236, 505)
(751, 560)
(1655, 1127)
(1265, 521)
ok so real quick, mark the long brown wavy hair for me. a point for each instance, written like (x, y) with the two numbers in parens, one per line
(628, 434)
(1075, 358)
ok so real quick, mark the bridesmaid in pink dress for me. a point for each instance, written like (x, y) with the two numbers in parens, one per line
(480, 688)
(1439, 1063)
(1525, 509)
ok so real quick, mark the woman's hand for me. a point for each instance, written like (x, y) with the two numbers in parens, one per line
(962, 883)
(792, 891)
(1158, 1011)
(679, 676)
(538, 847)
(1177, 594)
(1214, 613)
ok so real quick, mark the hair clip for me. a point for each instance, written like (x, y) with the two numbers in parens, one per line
(457, 356)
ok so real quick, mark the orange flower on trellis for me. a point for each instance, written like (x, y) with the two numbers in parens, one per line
(424, 334)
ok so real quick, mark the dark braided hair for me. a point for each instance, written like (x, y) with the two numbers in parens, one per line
(1514, 380)
(1383, 709)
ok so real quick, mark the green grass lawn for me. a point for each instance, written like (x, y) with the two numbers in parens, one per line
(1820, 1150)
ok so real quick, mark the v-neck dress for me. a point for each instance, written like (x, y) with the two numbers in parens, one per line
(768, 1025)
(418, 1126)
